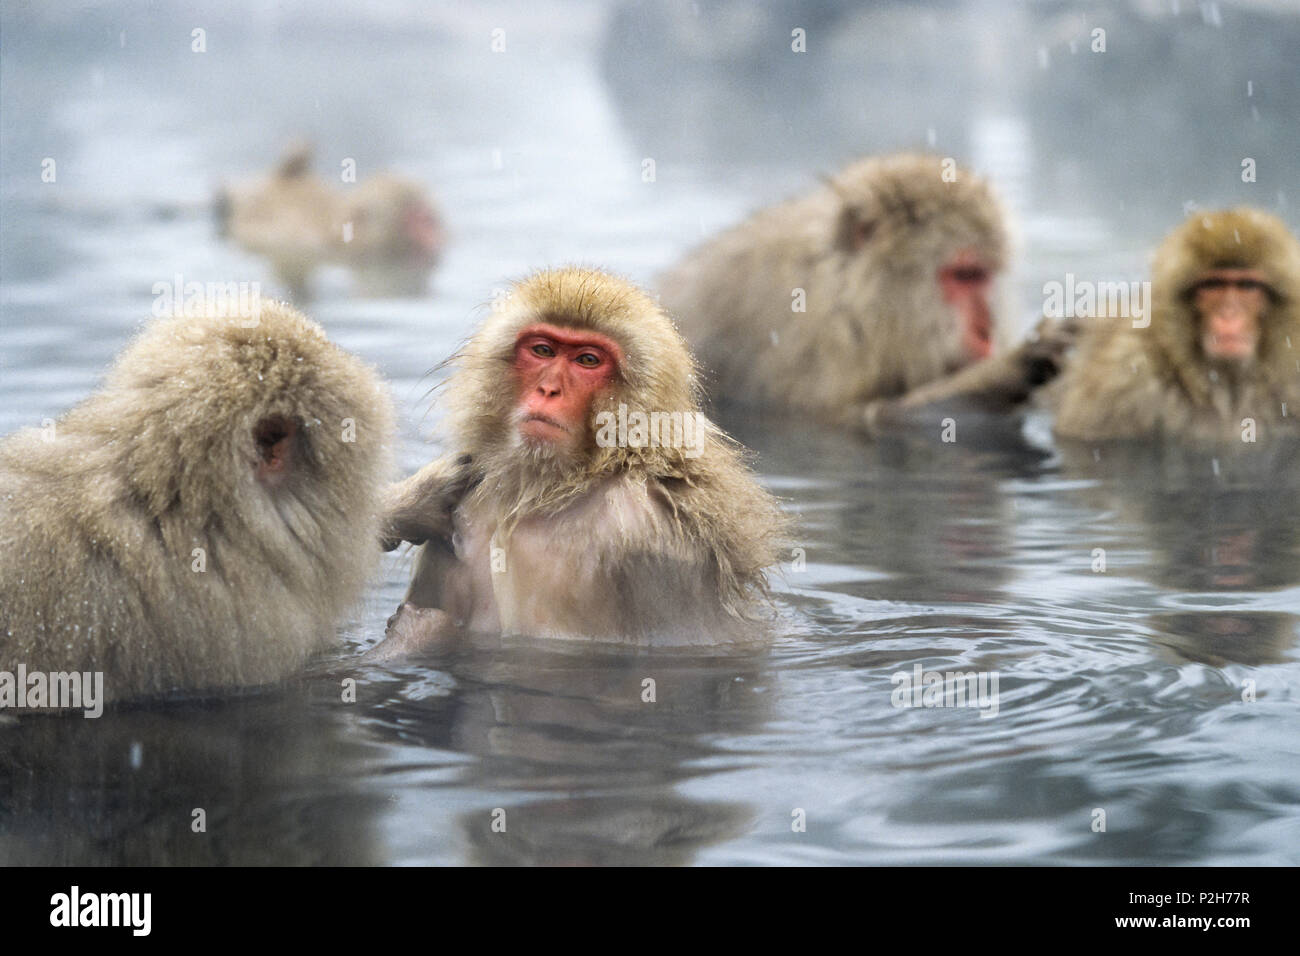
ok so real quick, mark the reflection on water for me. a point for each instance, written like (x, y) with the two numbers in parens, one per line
(607, 831)
(1219, 526)
(264, 779)
(585, 749)
(1246, 637)
(1160, 687)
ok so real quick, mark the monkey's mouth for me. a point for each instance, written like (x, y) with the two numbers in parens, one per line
(976, 332)
(1232, 348)
(541, 426)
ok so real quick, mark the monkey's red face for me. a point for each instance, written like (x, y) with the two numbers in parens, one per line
(1231, 304)
(423, 231)
(559, 372)
(965, 282)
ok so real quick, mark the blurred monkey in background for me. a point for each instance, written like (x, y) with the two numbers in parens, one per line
(1220, 360)
(384, 228)
(867, 303)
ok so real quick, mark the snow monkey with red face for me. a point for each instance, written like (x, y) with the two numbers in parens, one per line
(1220, 360)
(585, 495)
(868, 302)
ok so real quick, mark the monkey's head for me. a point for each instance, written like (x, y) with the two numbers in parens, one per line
(257, 421)
(925, 233)
(556, 359)
(391, 221)
(1224, 286)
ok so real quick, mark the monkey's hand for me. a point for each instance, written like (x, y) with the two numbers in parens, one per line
(420, 508)
(412, 630)
(1042, 355)
(994, 386)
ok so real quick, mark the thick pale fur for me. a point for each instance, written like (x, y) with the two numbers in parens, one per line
(1157, 382)
(610, 543)
(876, 325)
(99, 525)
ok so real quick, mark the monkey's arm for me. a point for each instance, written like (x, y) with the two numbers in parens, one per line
(427, 619)
(419, 509)
(993, 386)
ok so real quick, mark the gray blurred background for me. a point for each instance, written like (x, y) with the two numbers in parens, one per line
(536, 153)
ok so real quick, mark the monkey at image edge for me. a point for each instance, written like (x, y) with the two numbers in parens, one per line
(1219, 363)
(201, 521)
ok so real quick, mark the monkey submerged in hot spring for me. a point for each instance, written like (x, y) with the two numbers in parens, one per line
(202, 521)
(867, 303)
(384, 229)
(547, 519)
(1219, 361)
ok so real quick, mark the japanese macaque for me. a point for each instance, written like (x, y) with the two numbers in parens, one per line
(288, 218)
(384, 228)
(585, 495)
(1220, 359)
(864, 303)
(392, 238)
(204, 520)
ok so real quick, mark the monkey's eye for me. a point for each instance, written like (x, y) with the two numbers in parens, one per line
(542, 350)
(588, 360)
(1218, 284)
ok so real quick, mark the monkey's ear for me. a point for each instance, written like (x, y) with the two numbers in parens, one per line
(276, 437)
(853, 230)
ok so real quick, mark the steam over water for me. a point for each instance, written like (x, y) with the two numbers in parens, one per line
(1161, 689)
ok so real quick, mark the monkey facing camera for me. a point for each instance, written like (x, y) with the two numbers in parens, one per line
(586, 496)
(1220, 359)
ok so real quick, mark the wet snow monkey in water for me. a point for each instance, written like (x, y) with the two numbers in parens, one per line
(585, 495)
(1220, 360)
(384, 228)
(202, 520)
(288, 217)
(867, 303)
